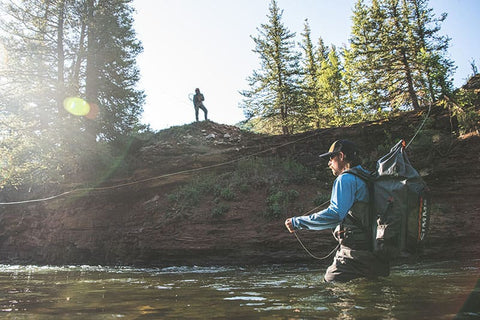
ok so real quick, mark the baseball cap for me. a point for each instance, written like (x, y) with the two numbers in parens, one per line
(345, 146)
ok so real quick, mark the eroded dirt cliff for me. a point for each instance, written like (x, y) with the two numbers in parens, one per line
(132, 221)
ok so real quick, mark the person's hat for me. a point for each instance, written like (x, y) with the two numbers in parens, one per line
(345, 146)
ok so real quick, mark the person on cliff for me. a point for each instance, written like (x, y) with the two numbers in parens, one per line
(348, 214)
(198, 103)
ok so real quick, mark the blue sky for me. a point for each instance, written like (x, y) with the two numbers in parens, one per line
(207, 44)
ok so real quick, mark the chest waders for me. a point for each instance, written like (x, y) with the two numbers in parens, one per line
(354, 231)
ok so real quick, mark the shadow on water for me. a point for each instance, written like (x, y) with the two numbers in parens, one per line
(471, 307)
(444, 290)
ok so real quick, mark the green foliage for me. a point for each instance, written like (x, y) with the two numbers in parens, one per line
(227, 194)
(469, 120)
(190, 195)
(294, 171)
(384, 145)
(467, 108)
(220, 210)
(249, 175)
(259, 172)
(397, 61)
(321, 199)
(115, 52)
(397, 55)
(312, 114)
(274, 97)
(332, 90)
(56, 50)
(278, 201)
(428, 143)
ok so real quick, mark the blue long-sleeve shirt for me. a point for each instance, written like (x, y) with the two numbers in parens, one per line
(346, 190)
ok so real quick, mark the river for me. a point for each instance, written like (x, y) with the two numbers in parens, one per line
(418, 291)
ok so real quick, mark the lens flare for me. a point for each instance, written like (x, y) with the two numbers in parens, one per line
(93, 113)
(76, 106)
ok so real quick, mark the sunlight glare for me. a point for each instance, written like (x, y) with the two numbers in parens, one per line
(6, 167)
(93, 113)
(3, 56)
(76, 106)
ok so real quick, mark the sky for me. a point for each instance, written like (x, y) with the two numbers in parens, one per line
(207, 44)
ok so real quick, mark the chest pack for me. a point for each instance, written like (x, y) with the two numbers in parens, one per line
(399, 205)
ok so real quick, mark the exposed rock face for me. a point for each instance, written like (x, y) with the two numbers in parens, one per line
(129, 222)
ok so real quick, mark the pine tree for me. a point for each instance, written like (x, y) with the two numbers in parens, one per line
(396, 56)
(431, 48)
(29, 104)
(362, 59)
(358, 110)
(274, 95)
(312, 62)
(332, 90)
(61, 48)
(111, 72)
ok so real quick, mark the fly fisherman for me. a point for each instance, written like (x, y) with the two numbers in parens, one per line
(198, 103)
(348, 213)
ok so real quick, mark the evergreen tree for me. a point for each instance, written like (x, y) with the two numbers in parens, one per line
(357, 109)
(111, 72)
(62, 48)
(274, 95)
(396, 56)
(322, 51)
(332, 90)
(362, 63)
(400, 64)
(431, 48)
(312, 62)
(29, 104)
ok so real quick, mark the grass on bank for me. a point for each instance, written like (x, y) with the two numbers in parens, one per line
(279, 177)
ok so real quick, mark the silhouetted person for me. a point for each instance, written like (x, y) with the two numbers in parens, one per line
(198, 103)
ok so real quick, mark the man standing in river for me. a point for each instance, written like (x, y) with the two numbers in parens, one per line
(348, 213)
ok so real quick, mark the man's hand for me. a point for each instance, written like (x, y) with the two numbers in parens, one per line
(289, 225)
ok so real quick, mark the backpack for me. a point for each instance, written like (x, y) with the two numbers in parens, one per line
(399, 205)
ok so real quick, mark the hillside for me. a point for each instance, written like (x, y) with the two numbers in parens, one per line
(139, 220)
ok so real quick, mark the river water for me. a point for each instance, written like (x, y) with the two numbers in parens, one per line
(419, 291)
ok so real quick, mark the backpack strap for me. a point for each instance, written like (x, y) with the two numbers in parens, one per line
(368, 179)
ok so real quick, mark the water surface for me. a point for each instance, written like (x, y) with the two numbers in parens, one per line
(420, 291)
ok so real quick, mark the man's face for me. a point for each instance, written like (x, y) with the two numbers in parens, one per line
(337, 163)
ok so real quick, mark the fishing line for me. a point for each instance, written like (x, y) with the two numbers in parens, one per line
(311, 254)
(304, 247)
(177, 98)
(421, 125)
(160, 176)
(317, 208)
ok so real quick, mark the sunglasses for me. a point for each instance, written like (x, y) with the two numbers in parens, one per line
(333, 156)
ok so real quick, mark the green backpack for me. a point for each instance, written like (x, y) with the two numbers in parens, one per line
(399, 204)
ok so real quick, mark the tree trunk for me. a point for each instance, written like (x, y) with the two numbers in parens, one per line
(79, 58)
(409, 78)
(91, 83)
(60, 55)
